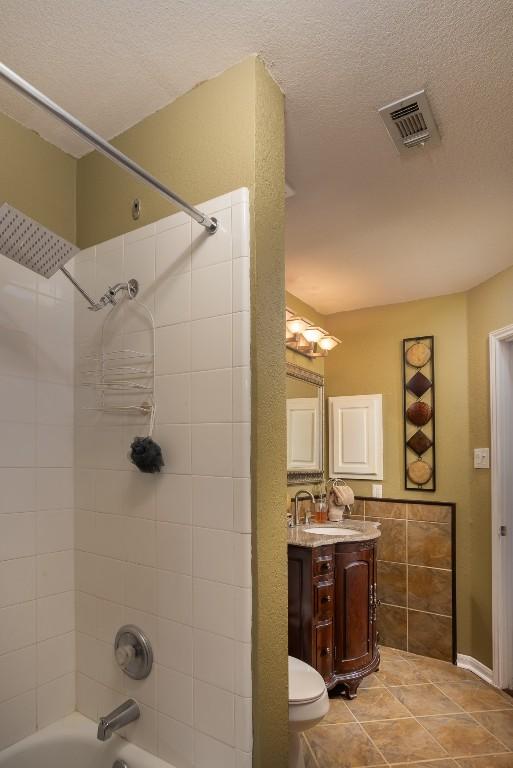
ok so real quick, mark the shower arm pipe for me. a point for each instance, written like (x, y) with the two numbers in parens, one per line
(107, 149)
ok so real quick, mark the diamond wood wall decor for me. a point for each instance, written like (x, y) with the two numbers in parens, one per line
(419, 413)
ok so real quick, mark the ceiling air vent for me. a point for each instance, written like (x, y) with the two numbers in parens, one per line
(410, 122)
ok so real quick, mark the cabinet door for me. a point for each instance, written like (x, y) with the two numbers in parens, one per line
(356, 436)
(324, 649)
(354, 624)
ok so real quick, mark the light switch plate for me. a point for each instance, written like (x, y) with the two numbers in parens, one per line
(377, 490)
(481, 458)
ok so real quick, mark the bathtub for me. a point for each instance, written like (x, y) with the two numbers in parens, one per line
(72, 743)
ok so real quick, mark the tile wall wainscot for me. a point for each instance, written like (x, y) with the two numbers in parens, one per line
(416, 575)
(171, 552)
(37, 616)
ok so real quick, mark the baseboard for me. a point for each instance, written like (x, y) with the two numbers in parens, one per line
(475, 666)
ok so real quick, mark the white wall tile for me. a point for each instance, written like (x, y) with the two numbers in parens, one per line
(173, 251)
(55, 573)
(55, 700)
(214, 607)
(241, 338)
(174, 596)
(55, 615)
(214, 659)
(55, 658)
(17, 626)
(87, 696)
(241, 285)
(175, 442)
(54, 403)
(174, 547)
(54, 530)
(242, 394)
(212, 449)
(243, 726)
(174, 695)
(54, 445)
(211, 396)
(210, 249)
(19, 353)
(18, 445)
(242, 611)
(17, 672)
(173, 349)
(174, 647)
(17, 535)
(17, 399)
(243, 682)
(141, 588)
(210, 753)
(214, 712)
(174, 498)
(213, 502)
(173, 300)
(55, 488)
(17, 581)
(173, 399)
(211, 343)
(17, 718)
(240, 231)
(242, 505)
(175, 741)
(18, 490)
(211, 291)
(241, 449)
(214, 555)
(86, 613)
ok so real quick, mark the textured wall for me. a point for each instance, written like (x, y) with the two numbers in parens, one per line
(37, 178)
(269, 430)
(224, 134)
(489, 308)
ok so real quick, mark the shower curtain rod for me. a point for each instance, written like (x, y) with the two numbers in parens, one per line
(107, 149)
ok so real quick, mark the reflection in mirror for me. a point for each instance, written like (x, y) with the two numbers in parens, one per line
(305, 425)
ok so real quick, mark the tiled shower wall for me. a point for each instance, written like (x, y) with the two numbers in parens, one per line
(37, 643)
(415, 575)
(171, 552)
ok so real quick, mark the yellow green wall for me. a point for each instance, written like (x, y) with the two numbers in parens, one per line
(369, 361)
(37, 178)
(490, 307)
(227, 133)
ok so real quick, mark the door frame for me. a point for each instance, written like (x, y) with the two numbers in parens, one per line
(501, 504)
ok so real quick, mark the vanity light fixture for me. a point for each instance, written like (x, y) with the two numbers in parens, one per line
(306, 338)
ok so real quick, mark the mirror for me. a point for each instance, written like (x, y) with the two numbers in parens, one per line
(305, 426)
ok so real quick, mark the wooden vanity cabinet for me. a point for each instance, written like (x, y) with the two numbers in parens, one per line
(332, 611)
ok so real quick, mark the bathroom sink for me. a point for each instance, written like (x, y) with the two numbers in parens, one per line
(328, 530)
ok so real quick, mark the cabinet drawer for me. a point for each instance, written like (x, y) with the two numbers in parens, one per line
(323, 566)
(324, 648)
(323, 600)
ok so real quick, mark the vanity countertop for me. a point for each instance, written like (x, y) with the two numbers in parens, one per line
(363, 531)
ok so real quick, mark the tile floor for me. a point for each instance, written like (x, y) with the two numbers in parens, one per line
(416, 712)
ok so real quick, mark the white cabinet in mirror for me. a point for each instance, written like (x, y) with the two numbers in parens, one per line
(305, 423)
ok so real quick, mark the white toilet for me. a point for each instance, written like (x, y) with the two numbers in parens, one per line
(308, 704)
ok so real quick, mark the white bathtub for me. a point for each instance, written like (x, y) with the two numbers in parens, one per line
(72, 743)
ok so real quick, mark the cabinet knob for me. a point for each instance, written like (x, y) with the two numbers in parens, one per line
(326, 599)
(325, 651)
(325, 567)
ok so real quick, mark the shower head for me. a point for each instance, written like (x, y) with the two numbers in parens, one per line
(29, 243)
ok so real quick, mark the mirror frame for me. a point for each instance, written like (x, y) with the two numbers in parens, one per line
(317, 379)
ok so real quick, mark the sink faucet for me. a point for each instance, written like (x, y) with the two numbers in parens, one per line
(122, 715)
(297, 498)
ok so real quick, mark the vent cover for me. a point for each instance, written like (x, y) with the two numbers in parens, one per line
(410, 122)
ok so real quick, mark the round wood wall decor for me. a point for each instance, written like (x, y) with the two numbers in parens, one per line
(418, 355)
(420, 472)
(419, 413)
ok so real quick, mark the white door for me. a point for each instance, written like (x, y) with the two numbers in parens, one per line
(356, 437)
(303, 447)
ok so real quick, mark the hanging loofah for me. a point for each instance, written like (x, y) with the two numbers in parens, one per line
(146, 454)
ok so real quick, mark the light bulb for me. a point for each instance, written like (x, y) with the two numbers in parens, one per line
(328, 342)
(296, 324)
(313, 334)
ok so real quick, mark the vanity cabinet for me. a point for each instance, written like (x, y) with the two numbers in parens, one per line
(332, 611)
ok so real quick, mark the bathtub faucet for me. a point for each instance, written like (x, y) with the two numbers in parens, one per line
(119, 717)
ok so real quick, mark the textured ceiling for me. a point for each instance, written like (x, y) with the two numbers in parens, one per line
(366, 225)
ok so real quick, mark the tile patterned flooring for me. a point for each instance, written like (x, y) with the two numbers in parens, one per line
(415, 712)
